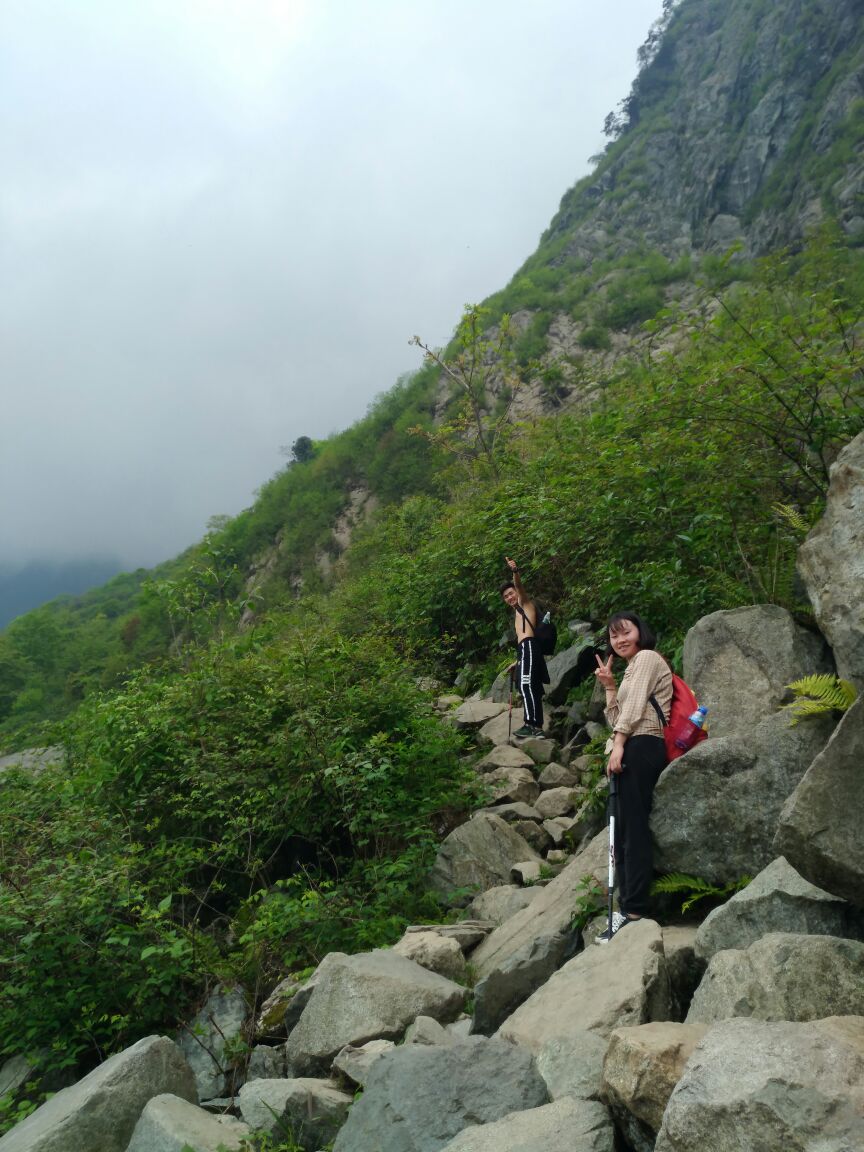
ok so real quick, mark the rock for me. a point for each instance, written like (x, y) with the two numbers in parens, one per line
(478, 854)
(558, 858)
(101, 1111)
(310, 1110)
(549, 913)
(526, 872)
(566, 1126)
(757, 1085)
(437, 953)
(727, 783)
(783, 976)
(739, 662)
(820, 828)
(14, 1074)
(558, 802)
(777, 900)
(540, 749)
(504, 988)
(622, 983)
(265, 1063)
(557, 776)
(534, 834)
(559, 827)
(831, 563)
(447, 701)
(511, 785)
(504, 756)
(474, 714)
(501, 902)
(425, 1030)
(354, 1063)
(683, 965)
(499, 730)
(512, 813)
(418, 1098)
(370, 996)
(573, 1065)
(211, 1034)
(467, 933)
(171, 1124)
(568, 668)
(460, 1029)
(33, 759)
(283, 1007)
(642, 1067)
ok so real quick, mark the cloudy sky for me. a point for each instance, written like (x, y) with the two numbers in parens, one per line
(222, 220)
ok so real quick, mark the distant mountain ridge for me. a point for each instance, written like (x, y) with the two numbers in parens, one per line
(24, 587)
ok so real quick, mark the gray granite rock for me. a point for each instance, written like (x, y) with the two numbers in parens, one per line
(209, 1037)
(501, 902)
(568, 1125)
(783, 976)
(572, 1065)
(777, 900)
(820, 830)
(310, 1109)
(418, 1098)
(355, 1062)
(101, 1111)
(738, 662)
(369, 996)
(774, 1086)
(171, 1124)
(477, 855)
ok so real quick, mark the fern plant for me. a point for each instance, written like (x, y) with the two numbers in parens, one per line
(697, 887)
(818, 694)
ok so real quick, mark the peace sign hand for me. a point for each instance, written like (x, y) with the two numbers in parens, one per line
(604, 674)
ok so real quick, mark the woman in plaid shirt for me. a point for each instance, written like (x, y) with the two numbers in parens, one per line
(637, 754)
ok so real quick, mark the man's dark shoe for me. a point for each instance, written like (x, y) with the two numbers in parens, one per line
(528, 730)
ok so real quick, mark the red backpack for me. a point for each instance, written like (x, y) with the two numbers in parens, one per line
(684, 704)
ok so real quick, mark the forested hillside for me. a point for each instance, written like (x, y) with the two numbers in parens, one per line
(645, 416)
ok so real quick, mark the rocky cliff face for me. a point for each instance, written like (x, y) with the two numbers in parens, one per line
(747, 125)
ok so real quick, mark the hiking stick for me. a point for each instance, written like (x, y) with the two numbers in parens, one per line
(613, 796)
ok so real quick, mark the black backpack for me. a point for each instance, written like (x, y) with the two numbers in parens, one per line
(546, 634)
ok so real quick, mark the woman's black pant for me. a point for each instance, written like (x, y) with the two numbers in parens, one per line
(644, 760)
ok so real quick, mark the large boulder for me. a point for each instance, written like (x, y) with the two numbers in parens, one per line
(312, 1110)
(101, 1110)
(783, 976)
(355, 1064)
(522, 953)
(440, 954)
(502, 990)
(171, 1124)
(777, 900)
(479, 854)
(504, 756)
(716, 808)
(418, 1097)
(501, 902)
(569, 667)
(209, 1038)
(370, 996)
(474, 714)
(772, 1086)
(572, 1065)
(513, 785)
(831, 563)
(621, 983)
(739, 662)
(568, 1125)
(820, 831)
(642, 1067)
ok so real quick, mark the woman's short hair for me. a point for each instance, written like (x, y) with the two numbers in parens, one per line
(647, 635)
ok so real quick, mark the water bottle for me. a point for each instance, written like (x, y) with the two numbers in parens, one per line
(697, 722)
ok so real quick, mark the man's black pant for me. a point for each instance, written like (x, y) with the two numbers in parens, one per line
(532, 673)
(644, 760)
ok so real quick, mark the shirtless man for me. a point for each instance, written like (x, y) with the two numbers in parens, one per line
(532, 666)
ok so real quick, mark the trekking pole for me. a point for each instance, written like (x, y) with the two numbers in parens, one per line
(613, 797)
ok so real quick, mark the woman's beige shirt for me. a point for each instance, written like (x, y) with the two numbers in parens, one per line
(647, 674)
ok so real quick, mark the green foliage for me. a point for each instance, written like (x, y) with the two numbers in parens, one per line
(267, 802)
(698, 888)
(819, 694)
(595, 338)
(590, 900)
